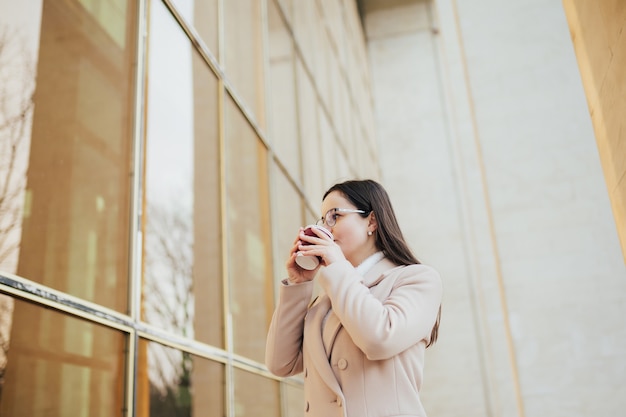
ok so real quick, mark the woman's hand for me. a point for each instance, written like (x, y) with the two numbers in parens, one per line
(295, 273)
(320, 245)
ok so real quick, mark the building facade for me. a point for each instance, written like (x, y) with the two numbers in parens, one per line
(158, 156)
(602, 61)
(486, 112)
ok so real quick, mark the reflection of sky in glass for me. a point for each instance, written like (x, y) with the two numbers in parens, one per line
(169, 299)
(169, 180)
(20, 24)
(185, 8)
(23, 16)
(170, 122)
(19, 34)
(19, 48)
(169, 189)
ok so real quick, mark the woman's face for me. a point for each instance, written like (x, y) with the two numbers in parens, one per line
(350, 229)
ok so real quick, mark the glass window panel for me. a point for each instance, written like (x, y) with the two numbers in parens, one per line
(335, 103)
(58, 365)
(65, 144)
(309, 137)
(182, 290)
(329, 96)
(294, 400)
(19, 47)
(342, 115)
(255, 395)
(305, 31)
(286, 7)
(203, 15)
(284, 127)
(360, 148)
(244, 53)
(325, 56)
(335, 16)
(330, 167)
(111, 15)
(355, 64)
(323, 44)
(287, 218)
(347, 135)
(249, 240)
(174, 383)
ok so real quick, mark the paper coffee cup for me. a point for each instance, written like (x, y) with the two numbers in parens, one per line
(307, 262)
(311, 262)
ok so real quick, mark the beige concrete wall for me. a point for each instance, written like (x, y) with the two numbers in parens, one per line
(488, 150)
(598, 33)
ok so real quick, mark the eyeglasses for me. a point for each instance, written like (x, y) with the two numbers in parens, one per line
(330, 218)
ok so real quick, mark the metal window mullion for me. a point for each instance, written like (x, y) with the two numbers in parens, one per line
(136, 232)
(229, 392)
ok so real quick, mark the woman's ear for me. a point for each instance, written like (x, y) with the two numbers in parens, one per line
(373, 223)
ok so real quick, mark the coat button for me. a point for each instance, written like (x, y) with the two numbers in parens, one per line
(342, 364)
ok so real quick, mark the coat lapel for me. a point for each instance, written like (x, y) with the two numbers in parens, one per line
(371, 278)
(320, 339)
(316, 349)
(329, 332)
(378, 272)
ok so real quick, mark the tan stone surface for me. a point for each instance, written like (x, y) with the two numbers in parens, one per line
(597, 31)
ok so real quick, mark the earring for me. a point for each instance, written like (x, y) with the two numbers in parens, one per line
(369, 233)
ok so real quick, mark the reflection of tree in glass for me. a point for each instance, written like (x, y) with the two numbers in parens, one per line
(169, 304)
(17, 85)
(168, 291)
(170, 397)
(6, 319)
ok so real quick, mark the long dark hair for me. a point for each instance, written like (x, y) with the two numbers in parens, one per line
(370, 196)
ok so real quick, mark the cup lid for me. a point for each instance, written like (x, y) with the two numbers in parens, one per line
(323, 229)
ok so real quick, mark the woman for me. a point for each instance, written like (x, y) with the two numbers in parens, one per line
(361, 343)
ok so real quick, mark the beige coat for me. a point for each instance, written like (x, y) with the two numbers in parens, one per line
(367, 359)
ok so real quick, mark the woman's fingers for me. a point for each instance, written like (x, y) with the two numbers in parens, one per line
(295, 242)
